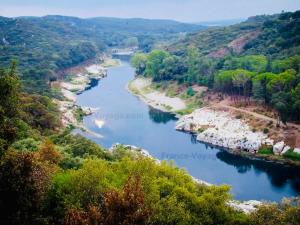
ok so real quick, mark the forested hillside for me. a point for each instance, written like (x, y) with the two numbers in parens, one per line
(256, 59)
(45, 45)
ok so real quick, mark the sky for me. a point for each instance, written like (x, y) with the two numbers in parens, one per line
(181, 10)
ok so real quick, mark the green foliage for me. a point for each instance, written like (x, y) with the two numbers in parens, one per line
(76, 148)
(154, 66)
(9, 103)
(256, 59)
(47, 45)
(79, 114)
(40, 113)
(162, 184)
(266, 151)
(284, 213)
(24, 182)
(292, 155)
(254, 63)
(234, 81)
(26, 145)
(139, 61)
(190, 92)
(266, 130)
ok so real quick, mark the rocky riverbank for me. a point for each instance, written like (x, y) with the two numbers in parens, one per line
(221, 129)
(218, 127)
(76, 84)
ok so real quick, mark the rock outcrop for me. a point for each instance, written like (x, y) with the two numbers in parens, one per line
(246, 206)
(297, 150)
(285, 149)
(221, 129)
(278, 147)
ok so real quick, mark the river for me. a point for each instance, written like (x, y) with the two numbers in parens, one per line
(129, 121)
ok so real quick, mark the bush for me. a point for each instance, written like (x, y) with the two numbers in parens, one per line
(239, 116)
(26, 145)
(266, 130)
(292, 155)
(201, 130)
(190, 92)
(265, 151)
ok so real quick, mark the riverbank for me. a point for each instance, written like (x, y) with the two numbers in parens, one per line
(129, 121)
(242, 206)
(218, 126)
(221, 129)
(76, 82)
(141, 87)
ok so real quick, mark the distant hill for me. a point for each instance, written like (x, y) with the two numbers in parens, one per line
(221, 23)
(275, 36)
(258, 59)
(44, 45)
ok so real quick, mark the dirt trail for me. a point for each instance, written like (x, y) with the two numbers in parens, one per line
(257, 115)
(291, 132)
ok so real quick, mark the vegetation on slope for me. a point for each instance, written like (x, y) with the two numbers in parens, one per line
(45, 45)
(49, 177)
(256, 59)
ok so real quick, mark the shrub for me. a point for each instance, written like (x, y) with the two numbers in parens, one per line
(190, 92)
(239, 116)
(266, 130)
(201, 130)
(292, 155)
(265, 151)
(26, 145)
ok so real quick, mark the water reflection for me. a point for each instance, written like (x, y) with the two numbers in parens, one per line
(129, 121)
(160, 117)
(279, 175)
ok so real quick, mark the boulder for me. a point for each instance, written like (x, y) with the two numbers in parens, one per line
(278, 147)
(285, 149)
(297, 150)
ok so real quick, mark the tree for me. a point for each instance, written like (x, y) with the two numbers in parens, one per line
(48, 153)
(124, 207)
(155, 66)
(223, 82)
(190, 92)
(139, 62)
(240, 80)
(280, 102)
(24, 182)
(285, 213)
(9, 104)
(193, 65)
(259, 89)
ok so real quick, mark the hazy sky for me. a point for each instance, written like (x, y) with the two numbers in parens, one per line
(182, 10)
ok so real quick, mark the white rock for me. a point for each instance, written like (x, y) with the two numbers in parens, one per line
(246, 207)
(297, 150)
(223, 130)
(278, 147)
(285, 149)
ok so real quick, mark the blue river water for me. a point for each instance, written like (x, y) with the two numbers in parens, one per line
(128, 120)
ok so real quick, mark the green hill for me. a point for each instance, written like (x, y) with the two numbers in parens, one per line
(44, 45)
(257, 59)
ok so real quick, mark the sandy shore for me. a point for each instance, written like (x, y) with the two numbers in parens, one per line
(159, 100)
